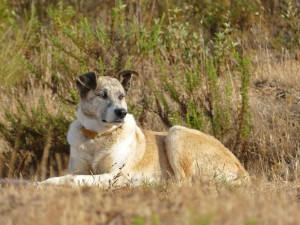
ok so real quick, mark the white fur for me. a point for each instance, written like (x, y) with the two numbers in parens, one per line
(122, 149)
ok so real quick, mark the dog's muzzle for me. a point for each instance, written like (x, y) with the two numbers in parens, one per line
(120, 114)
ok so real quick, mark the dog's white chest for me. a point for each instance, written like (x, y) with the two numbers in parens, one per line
(114, 152)
(105, 153)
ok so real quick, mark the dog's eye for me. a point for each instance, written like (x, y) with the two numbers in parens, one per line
(103, 94)
(121, 96)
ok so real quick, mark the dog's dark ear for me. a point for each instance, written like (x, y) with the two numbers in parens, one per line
(86, 82)
(125, 78)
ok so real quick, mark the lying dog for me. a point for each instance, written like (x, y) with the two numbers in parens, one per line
(108, 149)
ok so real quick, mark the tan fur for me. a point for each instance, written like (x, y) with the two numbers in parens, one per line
(194, 153)
(155, 157)
(117, 151)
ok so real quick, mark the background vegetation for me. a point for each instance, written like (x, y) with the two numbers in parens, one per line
(228, 68)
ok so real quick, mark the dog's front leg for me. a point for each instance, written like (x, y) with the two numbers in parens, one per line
(67, 179)
(103, 181)
(107, 180)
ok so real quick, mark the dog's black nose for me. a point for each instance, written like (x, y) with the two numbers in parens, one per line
(121, 113)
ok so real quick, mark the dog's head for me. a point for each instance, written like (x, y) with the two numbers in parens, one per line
(102, 99)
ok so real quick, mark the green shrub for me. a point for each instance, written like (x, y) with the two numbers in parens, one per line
(197, 92)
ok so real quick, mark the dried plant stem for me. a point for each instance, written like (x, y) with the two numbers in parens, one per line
(46, 154)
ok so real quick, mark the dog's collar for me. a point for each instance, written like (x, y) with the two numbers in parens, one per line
(93, 134)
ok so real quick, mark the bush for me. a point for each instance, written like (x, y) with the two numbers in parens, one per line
(38, 138)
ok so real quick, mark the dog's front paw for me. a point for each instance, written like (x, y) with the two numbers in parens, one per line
(67, 179)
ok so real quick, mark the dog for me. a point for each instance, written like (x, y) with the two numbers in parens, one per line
(109, 150)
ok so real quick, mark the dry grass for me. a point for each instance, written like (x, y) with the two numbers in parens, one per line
(275, 106)
(262, 203)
